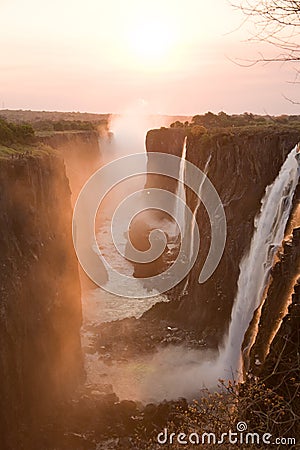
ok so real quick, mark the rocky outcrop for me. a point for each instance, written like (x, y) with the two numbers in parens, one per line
(166, 140)
(242, 164)
(169, 141)
(40, 307)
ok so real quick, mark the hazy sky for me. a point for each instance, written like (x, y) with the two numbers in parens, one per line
(103, 56)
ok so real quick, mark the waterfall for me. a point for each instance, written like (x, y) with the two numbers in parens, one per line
(194, 221)
(179, 211)
(269, 228)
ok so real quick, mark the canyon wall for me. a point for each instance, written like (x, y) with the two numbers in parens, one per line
(40, 357)
(243, 162)
(281, 367)
(279, 294)
(80, 151)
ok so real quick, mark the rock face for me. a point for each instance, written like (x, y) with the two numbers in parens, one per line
(165, 140)
(40, 319)
(169, 141)
(80, 151)
(281, 370)
(242, 163)
(279, 292)
(81, 154)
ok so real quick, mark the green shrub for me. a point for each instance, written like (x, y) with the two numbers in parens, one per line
(11, 133)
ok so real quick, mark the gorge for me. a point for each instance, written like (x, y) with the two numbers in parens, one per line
(43, 291)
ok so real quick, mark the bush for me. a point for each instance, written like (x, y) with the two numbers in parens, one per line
(11, 133)
(198, 130)
(70, 125)
(259, 407)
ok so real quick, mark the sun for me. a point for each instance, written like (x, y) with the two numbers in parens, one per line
(151, 41)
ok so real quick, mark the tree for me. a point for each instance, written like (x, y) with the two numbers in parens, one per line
(177, 124)
(278, 23)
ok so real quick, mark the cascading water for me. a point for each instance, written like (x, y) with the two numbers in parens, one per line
(194, 219)
(181, 195)
(194, 222)
(255, 266)
(179, 211)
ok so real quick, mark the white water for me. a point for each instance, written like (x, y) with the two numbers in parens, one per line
(181, 195)
(194, 221)
(255, 266)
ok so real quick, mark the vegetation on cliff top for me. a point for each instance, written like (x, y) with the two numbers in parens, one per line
(46, 122)
(17, 140)
(210, 123)
(34, 117)
(21, 138)
(11, 133)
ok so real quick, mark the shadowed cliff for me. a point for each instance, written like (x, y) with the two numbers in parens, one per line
(41, 361)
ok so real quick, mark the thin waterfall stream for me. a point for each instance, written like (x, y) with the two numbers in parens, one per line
(194, 222)
(181, 195)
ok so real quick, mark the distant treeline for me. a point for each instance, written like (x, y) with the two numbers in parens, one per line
(21, 132)
(28, 116)
(64, 125)
(210, 120)
(12, 133)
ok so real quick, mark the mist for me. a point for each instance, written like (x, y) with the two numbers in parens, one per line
(168, 374)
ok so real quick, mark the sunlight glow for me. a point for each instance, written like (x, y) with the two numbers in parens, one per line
(151, 41)
(103, 56)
